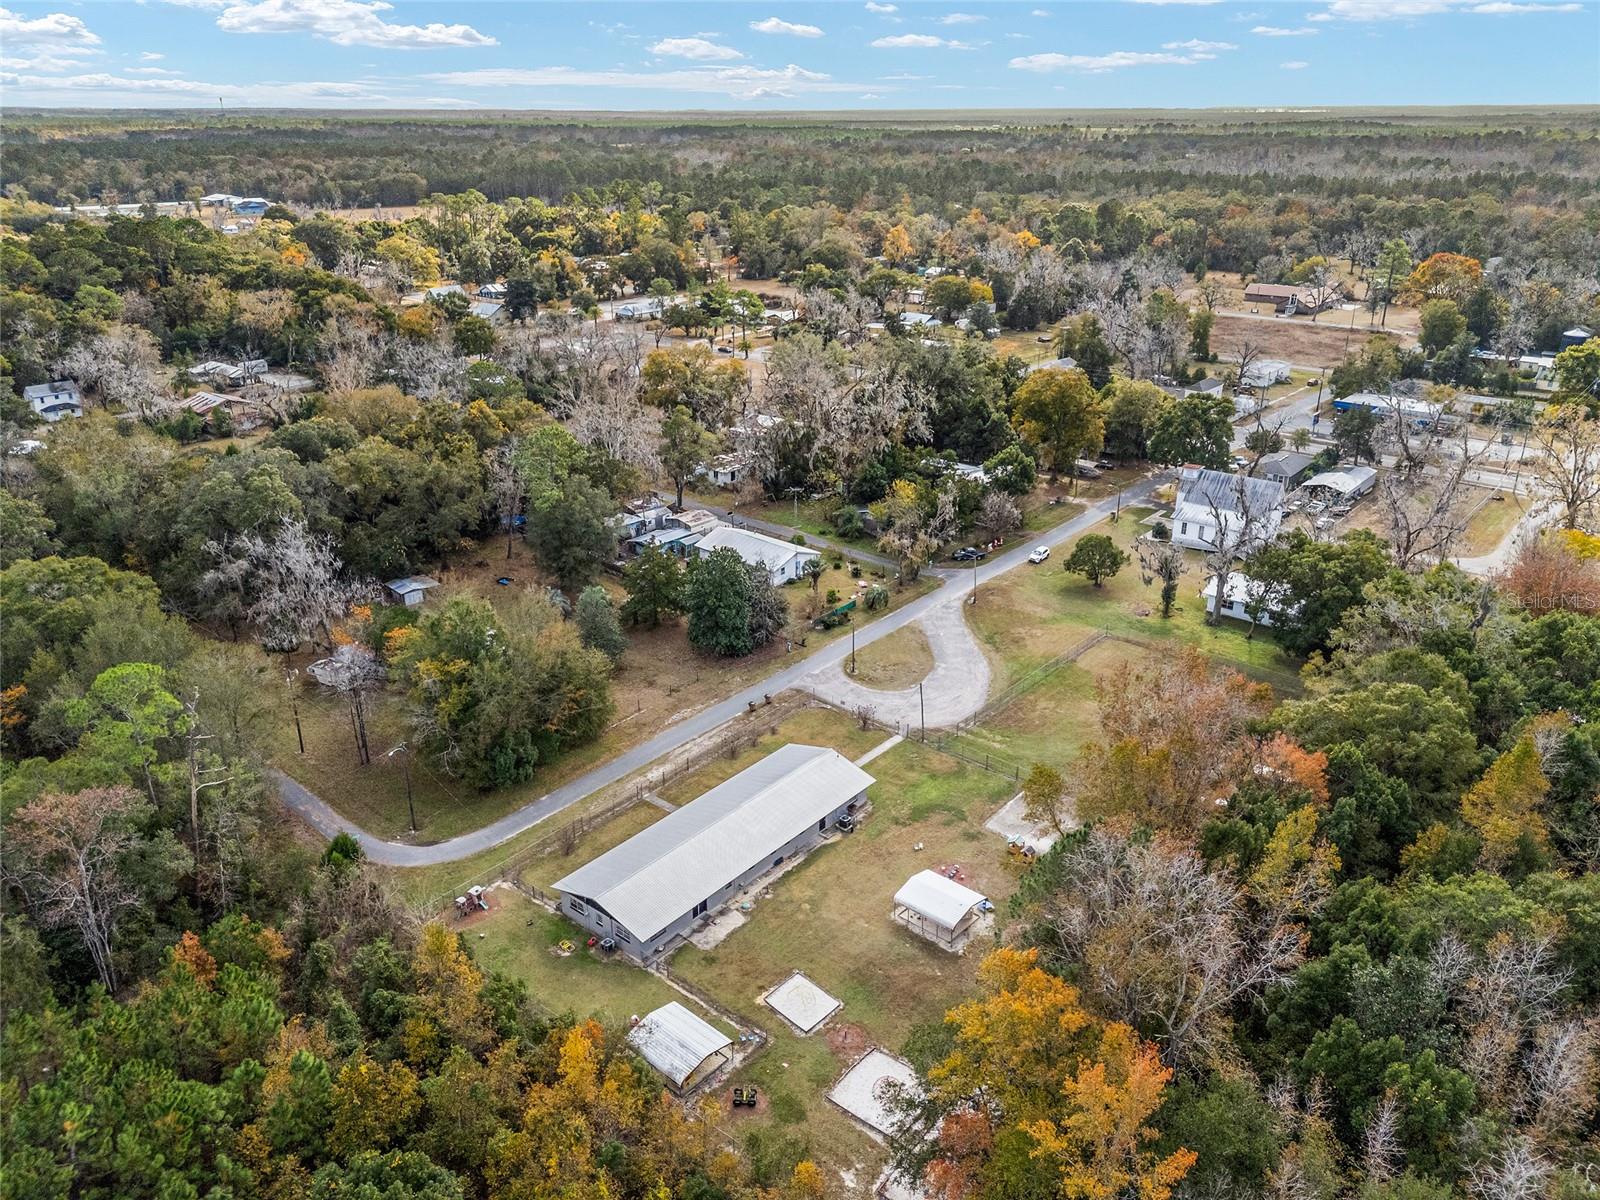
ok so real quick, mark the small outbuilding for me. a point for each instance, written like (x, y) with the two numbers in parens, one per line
(682, 1048)
(1287, 467)
(1346, 482)
(410, 591)
(939, 909)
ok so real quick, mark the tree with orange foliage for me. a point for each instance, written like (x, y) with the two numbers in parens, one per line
(1037, 1097)
(1443, 276)
(1175, 740)
(897, 247)
(1548, 576)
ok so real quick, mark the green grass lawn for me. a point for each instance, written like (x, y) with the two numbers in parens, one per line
(896, 661)
(519, 939)
(1032, 614)
(811, 726)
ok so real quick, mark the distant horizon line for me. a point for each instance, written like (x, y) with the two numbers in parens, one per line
(488, 110)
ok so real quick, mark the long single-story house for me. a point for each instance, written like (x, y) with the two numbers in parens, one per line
(1214, 503)
(53, 401)
(682, 1048)
(655, 887)
(939, 909)
(783, 561)
(1293, 297)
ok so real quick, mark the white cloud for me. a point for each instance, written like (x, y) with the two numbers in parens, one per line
(873, 6)
(152, 71)
(151, 56)
(775, 25)
(1196, 2)
(694, 48)
(1388, 10)
(58, 31)
(1322, 16)
(44, 60)
(902, 76)
(1040, 12)
(961, 18)
(1113, 61)
(1278, 31)
(918, 41)
(745, 83)
(1198, 45)
(1296, 64)
(344, 23)
(1504, 8)
(105, 89)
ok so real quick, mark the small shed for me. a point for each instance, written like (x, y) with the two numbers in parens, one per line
(679, 1045)
(410, 591)
(939, 909)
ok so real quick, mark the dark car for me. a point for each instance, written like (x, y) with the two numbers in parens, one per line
(970, 554)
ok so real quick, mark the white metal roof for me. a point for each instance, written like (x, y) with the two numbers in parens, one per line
(662, 872)
(1202, 489)
(1347, 481)
(675, 1042)
(942, 901)
(411, 583)
(754, 547)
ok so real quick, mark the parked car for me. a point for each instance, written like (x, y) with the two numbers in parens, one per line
(970, 554)
(1039, 555)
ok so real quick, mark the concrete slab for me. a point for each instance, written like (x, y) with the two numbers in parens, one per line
(801, 1003)
(861, 1091)
(1012, 823)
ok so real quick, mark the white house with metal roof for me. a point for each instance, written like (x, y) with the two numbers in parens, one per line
(52, 401)
(684, 1049)
(1217, 507)
(653, 888)
(783, 561)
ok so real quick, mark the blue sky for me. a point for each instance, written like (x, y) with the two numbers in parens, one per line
(846, 54)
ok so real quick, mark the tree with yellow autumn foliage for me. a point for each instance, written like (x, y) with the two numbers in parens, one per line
(1504, 807)
(1036, 1097)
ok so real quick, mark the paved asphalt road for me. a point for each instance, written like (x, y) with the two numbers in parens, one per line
(953, 592)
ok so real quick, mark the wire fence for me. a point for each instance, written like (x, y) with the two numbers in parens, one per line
(728, 742)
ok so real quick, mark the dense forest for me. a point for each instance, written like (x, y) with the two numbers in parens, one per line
(1341, 945)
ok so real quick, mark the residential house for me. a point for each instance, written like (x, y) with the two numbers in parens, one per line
(490, 310)
(1291, 298)
(1576, 336)
(783, 561)
(53, 401)
(492, 291)
(1214, 508)
(1238, 594)
(1265, 372)
(1287, 467)
(642, 309)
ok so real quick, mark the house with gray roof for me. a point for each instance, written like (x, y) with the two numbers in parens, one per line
(1215, 508)
(650, 891)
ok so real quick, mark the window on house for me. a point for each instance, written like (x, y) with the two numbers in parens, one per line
(576, 905)
(1185, 529)
(620, 934)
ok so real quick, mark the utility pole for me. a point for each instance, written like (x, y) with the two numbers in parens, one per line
(923, 708)
(405, 765)
(294, 705)
(852, 647)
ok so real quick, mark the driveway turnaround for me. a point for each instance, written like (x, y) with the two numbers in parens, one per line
(943, 606)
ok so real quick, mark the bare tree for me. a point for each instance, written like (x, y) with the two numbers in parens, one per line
(998, 515)
(840, 320)
(1382, 1152)
(1569, 461)
(506, 486)
(1163, 943)
(291, 583)
(349, 352)
(1517, 1172)
(1210, 291)
(1321, 289)
(123, 365)
(1424, 498)
(430, 368)
(352, 672)
(67, 855)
